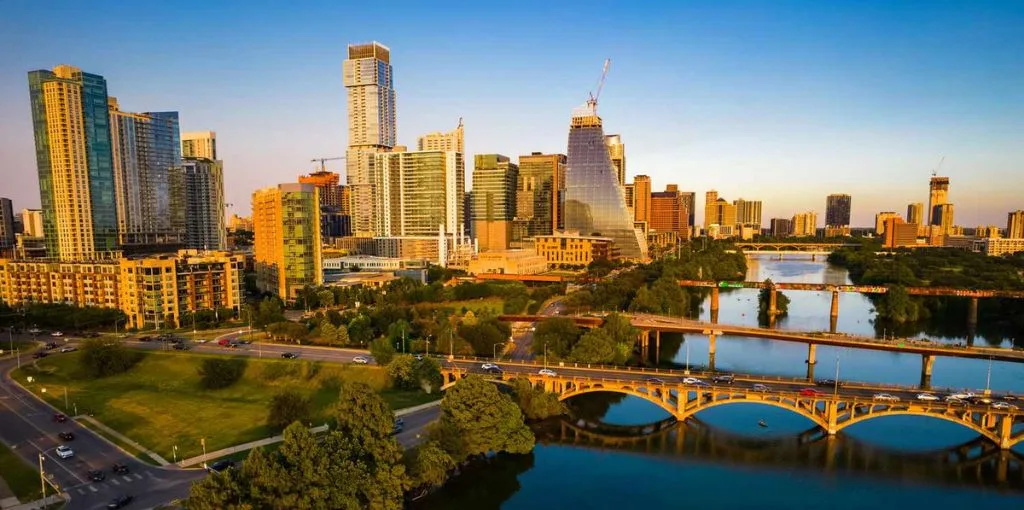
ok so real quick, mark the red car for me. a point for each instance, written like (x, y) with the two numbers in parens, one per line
(811, 392)
(60, 418)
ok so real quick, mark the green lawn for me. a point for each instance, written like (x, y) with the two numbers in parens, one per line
(160, 404)
(495, 304)
(20, 477)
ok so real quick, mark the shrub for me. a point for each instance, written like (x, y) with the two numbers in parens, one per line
(286, 407)
(102, 357)
(218, 373)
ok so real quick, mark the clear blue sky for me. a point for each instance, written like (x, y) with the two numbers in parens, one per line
(779, 101)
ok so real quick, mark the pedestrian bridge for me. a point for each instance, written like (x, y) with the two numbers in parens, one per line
(830, 412)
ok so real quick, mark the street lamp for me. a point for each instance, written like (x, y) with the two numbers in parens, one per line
(494, 349)
(836, 391)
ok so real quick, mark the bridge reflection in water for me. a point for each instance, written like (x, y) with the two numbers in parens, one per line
(977, 463)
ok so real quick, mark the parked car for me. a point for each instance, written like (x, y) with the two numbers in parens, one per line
(399, 426)
(220, 465)
(119, 502)
(928, 397)
(60, 418)
(40, 354)
(760, 387)
(51, 345)
(97, 476)
(66, 436)
(120, 469)
(57, 334)
(831, 383)
(68, 349)
(361, 360)
(885, 397)
(65, 452)
(289, 355)
(723, 379)
(546, 372)
(812, 392)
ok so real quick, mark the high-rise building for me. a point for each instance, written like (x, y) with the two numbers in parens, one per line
(690, 203)
(594, 199)
(837, 210)
(898, 233)
(73, 156)
(328, 184)
(748, 213)
(452, 141)
(286, 221)
(6, 224)
(629, 190)
(988, 231)
(334, 220)
(805, 224)
(418, 193)
(145, 148)
(617, 152)
(32, 222)
(494, 200)
(942, 219)
(367, 76)
(668, 212)
(880, 221)
(915, 213)
(197, 203)
(539, 194)
(1015, 225)
(642, 198)
(781, 227)
(199, 144)
(719, 216)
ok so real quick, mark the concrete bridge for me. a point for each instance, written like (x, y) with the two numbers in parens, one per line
(792, 247)
(832, 411)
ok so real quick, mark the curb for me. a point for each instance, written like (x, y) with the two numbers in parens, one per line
(410, 410)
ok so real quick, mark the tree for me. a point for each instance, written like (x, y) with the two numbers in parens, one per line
(536, 403)
(485, 334)
(328, 333)
(596, 347)
(325, 297)
(360, 330)
(428, 374)
(428, 466)
(218, 373)
(102, 357)
(288, 406)
(620, 329)
(560, 334)
(342, 337)
(382, 350)
(288, 330)
(269, 311)
(897, 306)
(477, 419)
(402, 370)
(398, 333)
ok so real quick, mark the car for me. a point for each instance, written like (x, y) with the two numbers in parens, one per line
(119, 502)
(950, 399)
(202, 341)
(760, 387)
(289, 355)
(60, 418)
(486, 366)
(926, 397)
(57, 334)
(361, 360)
(962, 396)
(546, 372)
(832, 383)
(120, 469)
(885, 397)
(691, 380)
(66, 436)
(979, 400)
(144, 338)
(1004, 405)
(220, 465)
(34, 331)
(493, 369)
(65, 452)
(811, 392)
(655, 380)
(223, 342)
(232, 345)
(40, 354)
(68, 349)
(419, 357)
(181, 347)
(50, 346)
(1009, 398)
(723, 379)
(399, 426)
(97, 476)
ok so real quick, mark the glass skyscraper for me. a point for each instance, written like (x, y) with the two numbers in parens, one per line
(74, 161)
(595, 201)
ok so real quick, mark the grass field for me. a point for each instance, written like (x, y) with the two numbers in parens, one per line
(20, 477)
(160, 404)
(495, 304)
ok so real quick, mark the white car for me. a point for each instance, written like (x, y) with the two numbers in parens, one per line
(886, 397)
(761, 387)
(68, 349)
(361, 360)
(692, 380)
(927, 396)
(962, 396)
(57, 334)
(65, 452)
(547, 372)
(1004, 405)
(488, 366)
(34, 331)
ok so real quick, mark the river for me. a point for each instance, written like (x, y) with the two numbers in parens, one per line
(725, 460)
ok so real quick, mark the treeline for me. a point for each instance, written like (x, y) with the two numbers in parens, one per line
(60, 316)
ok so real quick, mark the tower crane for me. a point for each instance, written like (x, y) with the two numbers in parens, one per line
(939, 166)
(323, 167)
(592, 102)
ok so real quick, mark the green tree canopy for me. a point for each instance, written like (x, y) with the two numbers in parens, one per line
(382, 350)
(104, 357)
(288, 406)
(560, 334)
(477, 419)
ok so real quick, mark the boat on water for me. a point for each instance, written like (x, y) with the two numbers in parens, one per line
(762, 423)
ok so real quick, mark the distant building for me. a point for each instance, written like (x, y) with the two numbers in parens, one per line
(899, 233)
(989, 231)
(452, 141)
(837, 210)
(539, 194)
(805, 224)
(941, 224)
(719, 216)
(668, 213)
(415, 193)
(690, 203)
(286, 222)
(880, 220)
(334, 222)
(1015, 225)
(329, 185)
(32, 222)
(999, 247)
(508, 262)
(748, 213)
(915, 214)
(617, 153)
(628, 190)
(370, 263)
(781, 227)
(6, 224)
(569, 249)
(843, 231)
(493, 200)
(642, 198)
(444, 249)
(197, 203)
(237, 222)
(199, 144)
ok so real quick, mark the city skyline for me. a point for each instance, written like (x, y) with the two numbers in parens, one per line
(859, 111)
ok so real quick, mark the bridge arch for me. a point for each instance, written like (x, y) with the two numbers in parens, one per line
(666, 404)
(967, 423)
(789, 405)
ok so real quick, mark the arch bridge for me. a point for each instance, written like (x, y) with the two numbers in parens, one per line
(832, 413)
(793, 247)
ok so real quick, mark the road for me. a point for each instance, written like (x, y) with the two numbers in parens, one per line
(523, 349)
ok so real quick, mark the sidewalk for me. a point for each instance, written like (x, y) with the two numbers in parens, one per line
(124, 439)
(56, 499)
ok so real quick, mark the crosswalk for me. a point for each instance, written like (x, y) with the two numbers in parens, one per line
(116, 482)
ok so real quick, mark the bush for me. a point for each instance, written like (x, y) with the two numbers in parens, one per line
(102, 357)
(536, 403)
(218, 373)
(382, 351)
(286, 407)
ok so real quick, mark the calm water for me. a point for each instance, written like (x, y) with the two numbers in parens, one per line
(725, 460)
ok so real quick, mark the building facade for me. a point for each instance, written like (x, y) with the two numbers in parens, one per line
(452, 141)
(32, 222)
(940, 211)
(74, 162)
(719, 216)
(508, 262)
(748, 214)
(572, 250)
(493, 200)
(617, 153)
(334, 218)
(595, 203)
(416, 193)
(286, 221)
(668, 213)
(198, 203)
(6, 224)
(199, 144)
(880, 220)
(837, 210)
(539, 195)
(898, 233)
(781, 227)
(804, 224)
(1000, 247)
(1015, 225)
(642, 198)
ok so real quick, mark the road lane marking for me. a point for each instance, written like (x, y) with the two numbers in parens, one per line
(80, 492)
(150, 474)
(137, 476)
(127, 479)
(114, 481)
(93, 489)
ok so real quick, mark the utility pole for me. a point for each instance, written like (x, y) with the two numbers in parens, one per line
(42, 477)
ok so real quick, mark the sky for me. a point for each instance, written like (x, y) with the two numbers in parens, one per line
(782, 101)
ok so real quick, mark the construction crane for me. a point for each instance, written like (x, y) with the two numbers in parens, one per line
(592, 102)
(939, 166)
(323, 167)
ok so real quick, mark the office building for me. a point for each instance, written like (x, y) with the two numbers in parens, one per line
(6, 224)
(286, 221)
(748, 213)
(74, 162)
(32, 222)
(781, 227)
(494, 200)
(690, 203)
(237, 223)
(668, 213)
(1000, 247)
(915, 215)
(719, 216)
(508, 262)
(594, 199)
(539, 195)
(617, 153)
(416, 193)
(628, 191)
(452, 141)
(837, 210)
(334, 220)
(367, 75)
(804, 224)
(571, 250)
(880, 219)
(642, 198)
(942, 220)
(898, 233)
(146, 148)
(989, 231)
(940, 211)
(197, 203)
(1015, 225)
(328, 185)
(199, 144)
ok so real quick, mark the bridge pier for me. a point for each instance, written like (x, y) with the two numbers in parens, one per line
(810, 372)
(714, 304)
(657, 347)
(645, 336)
(833, 324)
(927, 361)
(773, 301)
(834, 312)
(972, 313)
(811, 360)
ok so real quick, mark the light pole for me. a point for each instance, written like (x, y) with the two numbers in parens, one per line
(42, 477)
(687, 371)
(428, 347)
(202, 441)
(494, 349)
(174, 449)
(10, 337)
(988, 378)
(836, 391)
